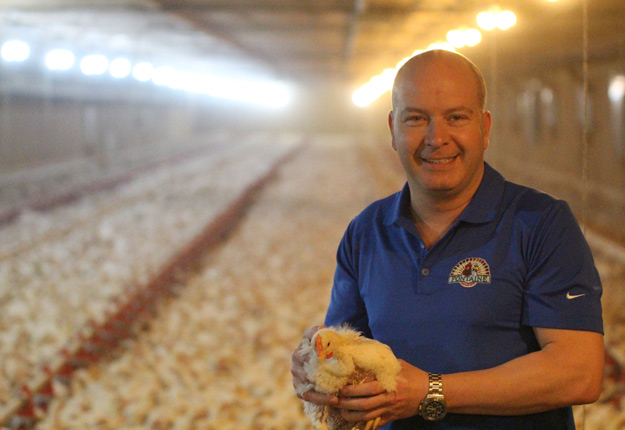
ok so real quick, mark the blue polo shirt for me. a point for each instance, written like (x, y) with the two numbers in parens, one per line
(514, 259)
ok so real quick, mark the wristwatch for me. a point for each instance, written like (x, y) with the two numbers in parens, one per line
(433, 407)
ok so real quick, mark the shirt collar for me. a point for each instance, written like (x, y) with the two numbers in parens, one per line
(482, 208)
(487, 199)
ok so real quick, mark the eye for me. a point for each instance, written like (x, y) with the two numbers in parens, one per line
(414, 119)
(458, 118)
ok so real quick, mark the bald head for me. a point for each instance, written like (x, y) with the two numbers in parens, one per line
(409, 72)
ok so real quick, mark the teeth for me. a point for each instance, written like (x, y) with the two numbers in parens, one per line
(440, 160)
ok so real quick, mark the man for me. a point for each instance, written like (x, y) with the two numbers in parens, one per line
(485, 290)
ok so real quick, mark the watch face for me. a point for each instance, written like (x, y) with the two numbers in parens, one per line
(433, 409)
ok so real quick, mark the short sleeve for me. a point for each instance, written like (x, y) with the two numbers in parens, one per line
(346, 304)
(562, 288)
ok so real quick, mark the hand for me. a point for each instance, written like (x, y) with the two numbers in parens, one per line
(300, 381)
(368, 401)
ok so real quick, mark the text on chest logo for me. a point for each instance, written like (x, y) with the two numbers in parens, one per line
(470, 272)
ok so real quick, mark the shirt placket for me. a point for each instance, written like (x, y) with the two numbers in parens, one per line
(424, 284)
(418, 252)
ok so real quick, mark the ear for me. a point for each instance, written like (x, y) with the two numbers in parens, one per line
(390, 127)
(486, 124)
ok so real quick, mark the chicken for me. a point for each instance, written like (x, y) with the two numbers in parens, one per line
(338, 356)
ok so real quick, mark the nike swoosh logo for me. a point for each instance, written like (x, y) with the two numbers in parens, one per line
(570, 296)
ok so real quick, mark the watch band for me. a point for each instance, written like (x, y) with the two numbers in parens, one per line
(436, 383)
(433, 407)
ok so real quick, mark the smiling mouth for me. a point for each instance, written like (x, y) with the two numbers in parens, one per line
(440, 160)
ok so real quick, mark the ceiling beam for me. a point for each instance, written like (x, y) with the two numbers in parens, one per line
(224, 33)
(39, 5)
(344, 6)
(352, 29)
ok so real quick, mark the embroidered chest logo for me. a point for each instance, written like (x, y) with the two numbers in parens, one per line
(469, 272)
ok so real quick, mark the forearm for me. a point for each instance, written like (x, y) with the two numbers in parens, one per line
(547, 379)
(567, 370)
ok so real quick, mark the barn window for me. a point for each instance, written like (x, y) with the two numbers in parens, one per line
(537, 107)
(582, 120)
(547, 109)
(616, 93)
(528, 108)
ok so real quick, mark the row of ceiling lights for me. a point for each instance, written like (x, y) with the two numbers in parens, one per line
(458, 38)
(257, 92)
(63, 59)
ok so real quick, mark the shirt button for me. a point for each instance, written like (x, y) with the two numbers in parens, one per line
(425, 271)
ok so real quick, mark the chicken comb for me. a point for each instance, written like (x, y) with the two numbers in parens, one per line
(318, 345)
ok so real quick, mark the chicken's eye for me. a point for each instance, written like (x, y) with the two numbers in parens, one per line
(328, 344)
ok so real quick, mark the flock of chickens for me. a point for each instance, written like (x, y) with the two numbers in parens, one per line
(216, 354)
(67, 269)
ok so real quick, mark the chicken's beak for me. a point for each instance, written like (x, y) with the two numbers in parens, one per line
(320, 352)
(323, 357)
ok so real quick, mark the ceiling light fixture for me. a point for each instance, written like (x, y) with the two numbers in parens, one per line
(379, 84)
(15, 51)
(464, 37)
(616, 90)
(59, 59)
(94, 64)
(496, 18)
(120, 67)
(143, 71)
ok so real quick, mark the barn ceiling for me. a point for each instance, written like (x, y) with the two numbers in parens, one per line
(307, 41)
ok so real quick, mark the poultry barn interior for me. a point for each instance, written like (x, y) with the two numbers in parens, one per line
(176, 175)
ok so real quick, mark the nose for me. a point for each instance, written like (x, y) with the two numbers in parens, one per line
(436, 133)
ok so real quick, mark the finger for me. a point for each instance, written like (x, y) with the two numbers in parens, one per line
(297, 363)
(361, 416)
(363, 403)
(320, 398)
(298, 357)
(300, 382)
(365, 389)
(297, 370)
(308, 334)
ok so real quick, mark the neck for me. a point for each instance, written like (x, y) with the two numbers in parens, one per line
(433, 214)
(433, 222)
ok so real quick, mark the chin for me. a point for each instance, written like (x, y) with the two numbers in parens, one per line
(429, 185)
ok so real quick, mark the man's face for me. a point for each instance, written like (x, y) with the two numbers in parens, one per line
(439, 129)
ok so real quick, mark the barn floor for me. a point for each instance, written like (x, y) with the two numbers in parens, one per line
(217, 354)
